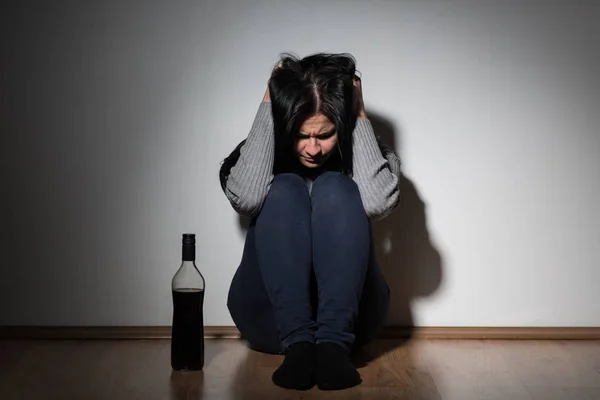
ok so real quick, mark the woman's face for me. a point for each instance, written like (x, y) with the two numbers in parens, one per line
(316, 141)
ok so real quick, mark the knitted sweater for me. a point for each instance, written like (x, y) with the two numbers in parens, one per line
(376, 169)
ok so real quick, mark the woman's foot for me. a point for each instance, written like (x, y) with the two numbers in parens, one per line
(334, 368)
(298, 368)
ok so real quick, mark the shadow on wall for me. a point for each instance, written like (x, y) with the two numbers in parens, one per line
(406, 256)
(410, 262)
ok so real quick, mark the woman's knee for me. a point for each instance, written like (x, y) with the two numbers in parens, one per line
(287, 186)
(288, 181)
(335, 189)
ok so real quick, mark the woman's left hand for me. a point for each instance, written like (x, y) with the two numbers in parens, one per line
(360, 106)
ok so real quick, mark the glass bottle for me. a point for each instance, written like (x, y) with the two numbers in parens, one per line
(187, 336)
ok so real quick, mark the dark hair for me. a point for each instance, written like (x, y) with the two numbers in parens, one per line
(319, 83)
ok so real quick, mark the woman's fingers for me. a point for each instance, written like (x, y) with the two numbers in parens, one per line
(357, 82)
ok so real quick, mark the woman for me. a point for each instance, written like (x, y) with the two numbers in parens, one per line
(311, 174)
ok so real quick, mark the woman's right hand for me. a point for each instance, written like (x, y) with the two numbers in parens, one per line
(267, 96)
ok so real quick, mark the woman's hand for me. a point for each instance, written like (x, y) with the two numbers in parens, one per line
(267, 96)
(358, 98)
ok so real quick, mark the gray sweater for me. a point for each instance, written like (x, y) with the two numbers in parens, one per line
(376, 169)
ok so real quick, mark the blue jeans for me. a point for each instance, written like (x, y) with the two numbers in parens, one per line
(308, 271)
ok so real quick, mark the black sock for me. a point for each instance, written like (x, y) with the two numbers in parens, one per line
(298, 367)
(334, 367)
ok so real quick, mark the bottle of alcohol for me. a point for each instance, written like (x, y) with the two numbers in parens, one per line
(187, 337)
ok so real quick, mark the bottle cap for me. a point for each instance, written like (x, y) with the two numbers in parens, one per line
(188, 239)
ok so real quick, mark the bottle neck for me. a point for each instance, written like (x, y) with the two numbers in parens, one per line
(187, 265)
(188, 254)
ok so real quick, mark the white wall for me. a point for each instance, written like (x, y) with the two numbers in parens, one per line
(116, 116)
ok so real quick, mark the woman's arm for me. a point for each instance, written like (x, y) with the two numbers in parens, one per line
(250, 177)
(249, 180)
(376, 170)
(376, 173)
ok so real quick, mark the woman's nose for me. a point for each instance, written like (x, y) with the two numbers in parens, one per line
(313, 144)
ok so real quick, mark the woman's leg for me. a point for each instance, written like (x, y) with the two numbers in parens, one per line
(341, 254)
(283, 249)
(249, 304)
(342, 260)
(270, 293)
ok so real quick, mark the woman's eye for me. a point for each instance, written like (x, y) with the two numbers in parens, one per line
(326, 136)
(318, 137)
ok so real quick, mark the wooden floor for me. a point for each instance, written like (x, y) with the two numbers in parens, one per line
(420, 369)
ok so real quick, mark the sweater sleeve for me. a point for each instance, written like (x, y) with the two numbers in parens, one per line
(376, 172)
(250, 177)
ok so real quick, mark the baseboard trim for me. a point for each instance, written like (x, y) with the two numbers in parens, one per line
(492, 333)
(222, 332)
